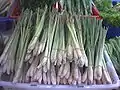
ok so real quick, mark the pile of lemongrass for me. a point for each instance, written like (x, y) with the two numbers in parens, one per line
(49, 47)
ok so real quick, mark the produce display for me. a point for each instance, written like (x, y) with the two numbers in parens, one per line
(57, 47)
(112, 47)
(109, 12)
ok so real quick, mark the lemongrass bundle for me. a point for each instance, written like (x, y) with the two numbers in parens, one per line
(52, 28)
(39, 28)
(24, 40)
(72, 30)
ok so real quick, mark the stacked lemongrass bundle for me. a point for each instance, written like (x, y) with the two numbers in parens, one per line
(49, 47)
(94, 38)
(12, 58)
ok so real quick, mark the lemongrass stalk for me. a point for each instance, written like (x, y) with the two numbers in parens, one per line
(84, 76)
(62, 3)
(64, 81)
(80, 39)
(48, 77)
(31, 60)
(13, 46)
(70, 79)
(4, 68)
(9, 43)
(103, 80)
(75, 71)
(63, 46)
(11, 54)
(106, 74)
(84, 7)
(75, 58)
(40, 76)
(40, 48)
(44, 60)
(74, 82)
(71, 27)
(94, 82)
(90, 68)
(52, 27)
(58, 80)
(44, 42)
(25, 35)
(44, 78)
(78, 6)
(69, 48)
(83, 23)
(53, 75)
(1, 71)
(74, 37)
(79, 77)
(45, 68)
(34, 66)
(68, 74)
(23, 31)
(35, 50)
(60, 70)
(64, 56)
(26, 67)
(8, 66)
(100, 48)
(17, 75)
(54, 49)
(91, 44)
(65, 69)
(75, 55)
(73, 2)
(69, 6)
(38, 31)
(61, 55)
(90, 75)
(28, 57)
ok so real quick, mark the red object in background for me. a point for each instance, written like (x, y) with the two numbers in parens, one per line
(15, 10)
(95, 12)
